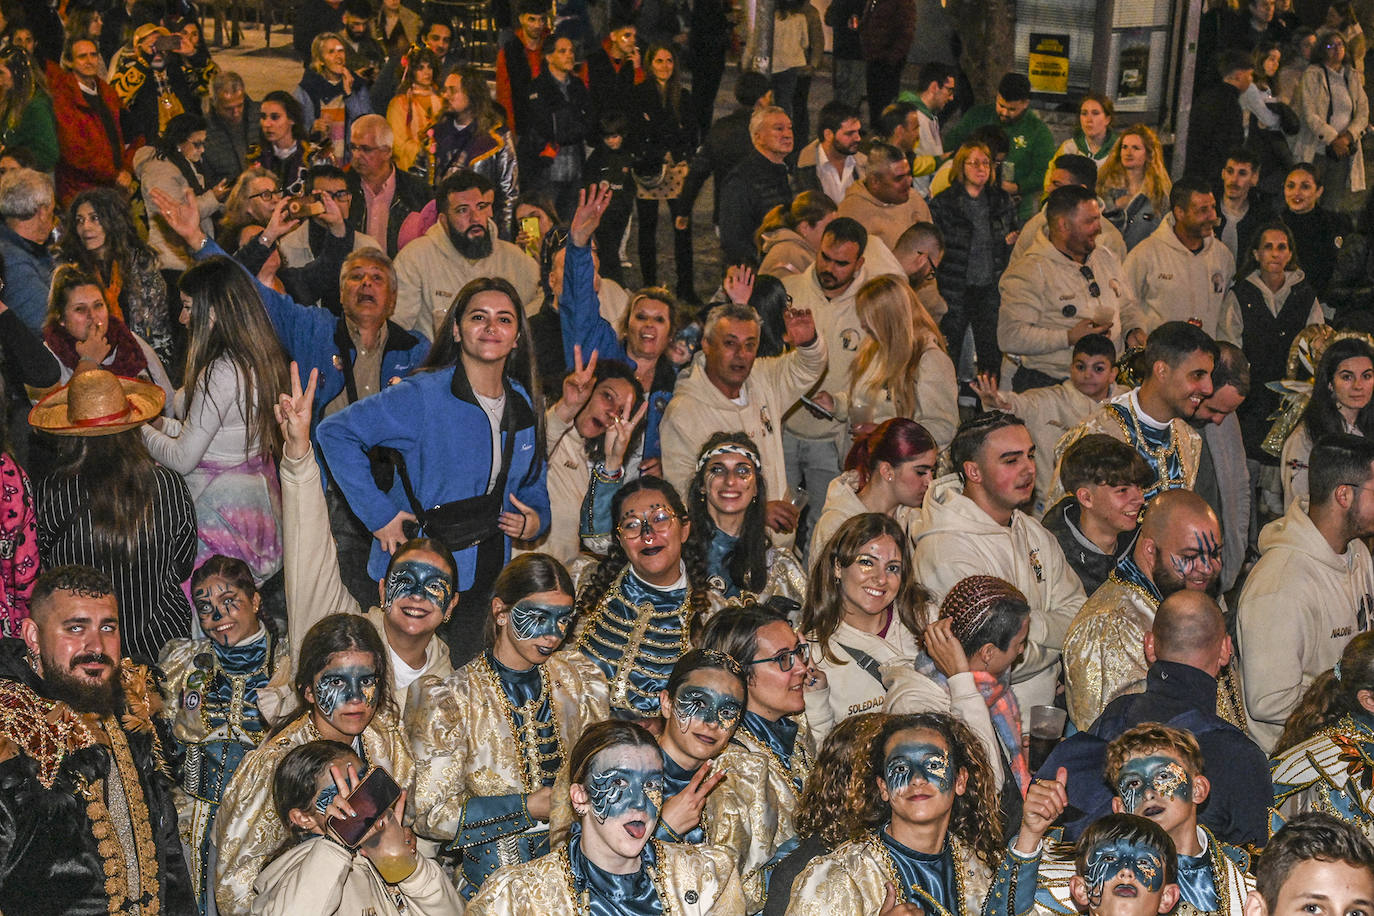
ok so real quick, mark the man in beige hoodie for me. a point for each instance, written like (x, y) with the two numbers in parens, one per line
(883, 202)
(1312, 589)
(728, 388)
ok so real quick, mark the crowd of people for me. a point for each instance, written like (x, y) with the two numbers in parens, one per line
(992, 540)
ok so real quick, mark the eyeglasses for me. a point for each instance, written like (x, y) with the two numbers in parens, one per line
(787, 658)
(661, 521)
(273, 194)
(365, 149)
(1093, 289)
(339, 196)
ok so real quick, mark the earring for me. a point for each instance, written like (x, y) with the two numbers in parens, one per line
(32, 658)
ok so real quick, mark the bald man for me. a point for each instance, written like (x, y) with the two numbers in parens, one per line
(1179, 548)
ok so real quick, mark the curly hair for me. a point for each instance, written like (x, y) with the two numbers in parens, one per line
(840, 785)
(697, 605)
(824, 609)
(1151, 736)
(122, 242)
(974, 819)
(1112, 174)
(747, 562)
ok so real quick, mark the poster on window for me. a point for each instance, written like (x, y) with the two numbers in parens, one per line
(1133, 69)
(1049, 63)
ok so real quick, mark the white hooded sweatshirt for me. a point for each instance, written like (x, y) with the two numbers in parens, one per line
(1302, 603)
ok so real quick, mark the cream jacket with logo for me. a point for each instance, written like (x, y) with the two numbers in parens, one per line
(958, 539)
(1172, 283)
(1301, 604)
(1038, 290)
(1036, 228)
(430, 272)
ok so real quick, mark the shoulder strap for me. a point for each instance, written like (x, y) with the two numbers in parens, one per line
(866, 662)
(345, 347)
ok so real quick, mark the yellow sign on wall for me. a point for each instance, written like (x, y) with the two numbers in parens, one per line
(1049, 63)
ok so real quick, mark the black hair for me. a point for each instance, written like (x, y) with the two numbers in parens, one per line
(613, 123)
(1245, 156)
(735, 631)
(1322, 416)
(705, 660)
(1308, 836)
(294, 113)
(433, 545)
(1003, 621)
(330, 636)
(1014, 87)
(934, 71)
(1181, 194)
(293, 782)
(1232, 368)
(1096, 345)
(893, 117)
(1174, 341)
(460, 181)
(1081, 168)
(82, 581)
(1064, 201)
(847, 229)
(969, 438)
(324, 170)
(1338, 459)
(525, 575)
(769, 299)
(1128, 828)
(832, 117)
(993, 136)
(1229, 60)
(595, 447)
(750, 87)
(177, 132)
(747, 561)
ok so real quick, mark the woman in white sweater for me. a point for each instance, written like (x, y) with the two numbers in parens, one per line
(864, 610)
(224, 439)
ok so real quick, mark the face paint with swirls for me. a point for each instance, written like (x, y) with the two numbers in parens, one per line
(914, 760)
(1106, 860)
(422, 580)
(618, 790)
(1165, 775)
(531, 620)
(337, 686)
(707, 706)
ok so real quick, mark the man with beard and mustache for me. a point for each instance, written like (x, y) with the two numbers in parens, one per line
(973, 523)
(1153, 417)
(460, 247)
(883, 201)
(1312, 589)
(1178, 547)
(87, 819)
(831, 162)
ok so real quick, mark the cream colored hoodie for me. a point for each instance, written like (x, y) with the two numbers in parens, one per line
(886, 221)
(1172, 283)
(1301, 604)
(958, 539)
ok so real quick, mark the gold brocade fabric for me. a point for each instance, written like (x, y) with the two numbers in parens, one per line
(462, 742)
(786, 579)
(753, 811)
(1106, 420)
(248, 830)
(854, 878)
(691, 881)
(1329, 772)
(1103, 651)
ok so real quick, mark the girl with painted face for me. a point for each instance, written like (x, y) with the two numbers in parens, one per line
(753, 813)
(313, 871)
(491, 740)
(701, 707)
(725, 503)
(865, 609)
(642, 604)
(481, 484)
(933, 833)
(343, 687)
(612, 864)
(210, 696)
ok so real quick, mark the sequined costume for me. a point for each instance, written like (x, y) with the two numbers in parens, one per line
(1214, 881)
(1104, 654)
(635, 635)
(87, 820)
(1172, 452)
(753, 812)
(247, 829)
(677, 879)
(1331, 772)
(210, 701)
(854, 878)
(483, 740)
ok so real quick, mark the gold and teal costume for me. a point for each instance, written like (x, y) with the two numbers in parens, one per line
(1333, 771)
(484, 739)
(210, 700)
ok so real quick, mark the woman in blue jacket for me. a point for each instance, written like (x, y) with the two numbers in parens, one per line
(466, 438)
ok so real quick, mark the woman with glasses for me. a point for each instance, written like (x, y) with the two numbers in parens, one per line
(173, 167)
(99, 236)
(1333, 110)
(753, 812)
(701, 708)
(491, 740)
(864, 610)
(249, 207)
(641, 607)
(933, 836)
(979, 223)
(465, 434)
(725, 503)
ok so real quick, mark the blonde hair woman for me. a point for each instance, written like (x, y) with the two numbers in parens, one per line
(902, 369)
(1135, 185)
(331, 95)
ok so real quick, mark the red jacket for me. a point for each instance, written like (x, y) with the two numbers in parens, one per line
(88, 160)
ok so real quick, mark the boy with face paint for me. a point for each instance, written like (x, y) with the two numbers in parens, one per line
(1155, 772)
(491, 739)
(1125, 866)
(417, 594)
(612, 864)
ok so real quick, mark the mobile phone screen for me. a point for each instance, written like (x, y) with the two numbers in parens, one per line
(373, 796)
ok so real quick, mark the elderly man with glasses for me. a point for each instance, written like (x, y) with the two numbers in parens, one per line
(383, 195)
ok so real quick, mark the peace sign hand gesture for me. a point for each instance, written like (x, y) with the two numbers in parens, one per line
(577, 386)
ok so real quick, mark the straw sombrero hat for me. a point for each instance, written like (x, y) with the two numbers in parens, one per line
(97, 403)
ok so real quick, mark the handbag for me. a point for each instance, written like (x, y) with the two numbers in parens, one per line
(459, 524)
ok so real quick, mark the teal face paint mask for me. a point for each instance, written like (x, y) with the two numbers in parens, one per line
(702, 704)
(415, 578)
(531, 620)
(620, 790)
(1164, 775)
(338, 686)
(912, 761)
(1107, 859)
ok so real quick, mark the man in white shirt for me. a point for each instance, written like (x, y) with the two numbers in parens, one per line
(832, 162)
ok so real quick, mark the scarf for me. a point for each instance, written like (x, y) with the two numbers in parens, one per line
(187, 170)
(1005, 714)
(126, 358)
